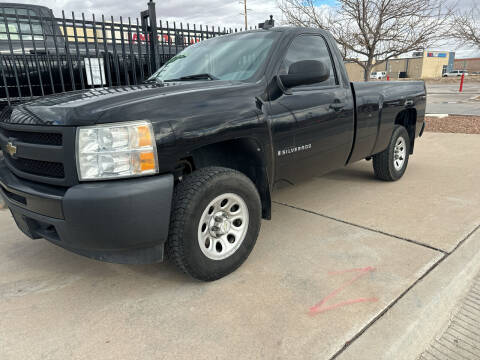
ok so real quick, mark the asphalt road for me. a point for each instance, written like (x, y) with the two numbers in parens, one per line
(446, 99)
(341, 255)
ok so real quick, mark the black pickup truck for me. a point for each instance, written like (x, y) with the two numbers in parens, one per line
(185, 164)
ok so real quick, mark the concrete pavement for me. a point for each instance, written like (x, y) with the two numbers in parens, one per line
(340, 255)
(58, 305)
(432, 205)
(468, 88)
(446, 99)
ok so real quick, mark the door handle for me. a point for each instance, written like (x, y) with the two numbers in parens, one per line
(337, 106)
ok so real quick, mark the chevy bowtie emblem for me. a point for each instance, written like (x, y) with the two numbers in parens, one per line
(11, 149)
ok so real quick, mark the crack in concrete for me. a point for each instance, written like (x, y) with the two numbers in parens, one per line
(364, 227)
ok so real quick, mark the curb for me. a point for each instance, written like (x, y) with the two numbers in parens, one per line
(440, 116)
(407, 330)
(451, 93)
(460, 339)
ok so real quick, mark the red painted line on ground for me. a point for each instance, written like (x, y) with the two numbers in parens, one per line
(319, 307)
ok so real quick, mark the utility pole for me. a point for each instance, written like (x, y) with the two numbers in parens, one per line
(245, 13)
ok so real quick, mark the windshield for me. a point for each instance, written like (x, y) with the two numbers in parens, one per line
(231, 57)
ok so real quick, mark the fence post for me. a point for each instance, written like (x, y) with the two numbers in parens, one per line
(154, 34)
(149, 25)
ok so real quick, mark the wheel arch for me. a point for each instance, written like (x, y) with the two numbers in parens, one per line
(408, 119)
(245, 154)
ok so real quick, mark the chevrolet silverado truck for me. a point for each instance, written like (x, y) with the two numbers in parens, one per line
(183, 166)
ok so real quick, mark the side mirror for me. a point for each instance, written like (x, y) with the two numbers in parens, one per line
(305, 72)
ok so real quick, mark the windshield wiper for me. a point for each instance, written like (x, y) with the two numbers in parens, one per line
(150, 81)
(195, 77)
(154, 81)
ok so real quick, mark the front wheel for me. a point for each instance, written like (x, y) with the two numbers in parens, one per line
(215, 222)
(390, 164)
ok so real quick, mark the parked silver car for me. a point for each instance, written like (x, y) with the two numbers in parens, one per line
(455, 73)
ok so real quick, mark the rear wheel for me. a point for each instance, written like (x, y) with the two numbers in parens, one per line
(215, 222)
(390, 164)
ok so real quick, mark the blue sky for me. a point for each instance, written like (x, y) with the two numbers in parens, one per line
(325, 2)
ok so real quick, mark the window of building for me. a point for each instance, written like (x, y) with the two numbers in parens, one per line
(24, 27)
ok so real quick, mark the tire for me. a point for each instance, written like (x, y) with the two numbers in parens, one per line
(390, 164)
(200, 240)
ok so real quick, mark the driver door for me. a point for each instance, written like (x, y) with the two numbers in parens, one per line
(323, 113)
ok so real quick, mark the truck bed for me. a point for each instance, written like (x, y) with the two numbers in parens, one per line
(377, 105)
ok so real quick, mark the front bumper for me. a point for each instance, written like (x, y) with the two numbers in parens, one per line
(122, 221)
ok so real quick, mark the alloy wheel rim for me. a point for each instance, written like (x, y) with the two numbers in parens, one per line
(400, 153)
(223, 226)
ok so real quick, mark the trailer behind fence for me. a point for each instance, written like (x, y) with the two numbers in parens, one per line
(41, 54)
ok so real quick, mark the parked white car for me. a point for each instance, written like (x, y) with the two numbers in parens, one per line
(455, 73)
(378, 75)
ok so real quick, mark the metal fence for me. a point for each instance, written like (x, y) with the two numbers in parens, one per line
(42, 54)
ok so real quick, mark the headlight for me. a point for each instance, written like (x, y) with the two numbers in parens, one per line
(116, 151)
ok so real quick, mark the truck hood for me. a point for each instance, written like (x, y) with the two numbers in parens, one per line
(124, 103)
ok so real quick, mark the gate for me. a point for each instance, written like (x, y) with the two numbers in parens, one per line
(41, 54)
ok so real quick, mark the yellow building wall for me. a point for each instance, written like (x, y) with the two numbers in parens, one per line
(413, 67)
(380, 67)
(354, 71)
(433, 66)
(417, 68)
(395, 66)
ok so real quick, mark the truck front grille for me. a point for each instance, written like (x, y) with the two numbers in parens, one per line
(36, 167)
(43, 153)
(34, 138)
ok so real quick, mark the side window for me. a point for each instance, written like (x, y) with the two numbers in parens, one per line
(309, 47)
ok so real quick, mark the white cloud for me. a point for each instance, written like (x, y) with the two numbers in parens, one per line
(223, 13)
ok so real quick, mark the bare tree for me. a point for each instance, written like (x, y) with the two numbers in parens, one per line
(370, 32)
(466, 25)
